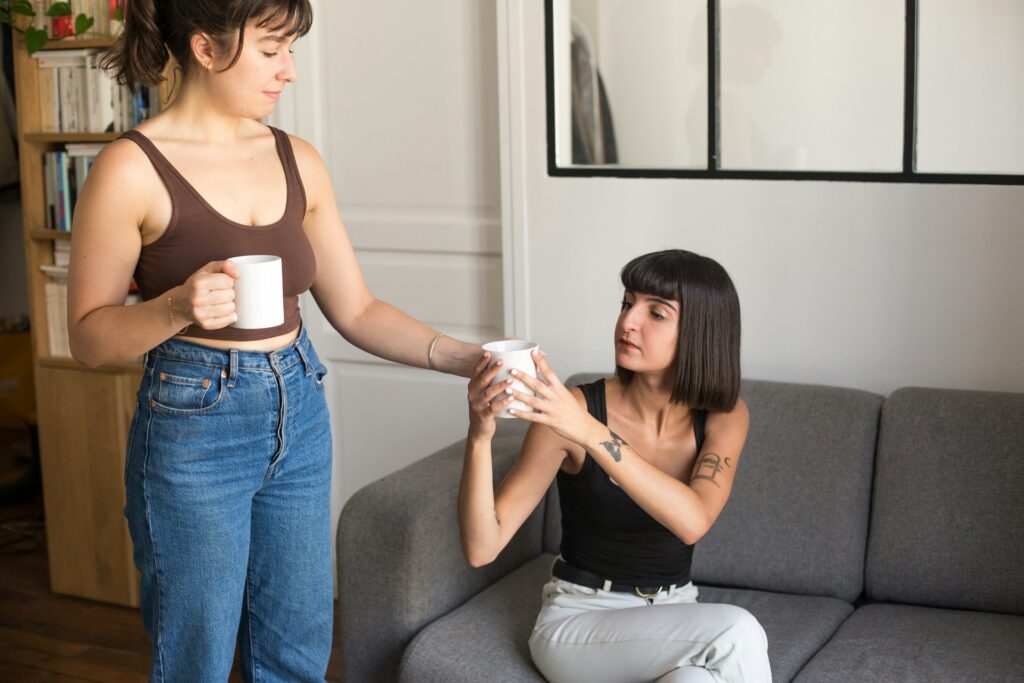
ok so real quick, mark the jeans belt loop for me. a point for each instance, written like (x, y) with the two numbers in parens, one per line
(304, 357)
(232, 367)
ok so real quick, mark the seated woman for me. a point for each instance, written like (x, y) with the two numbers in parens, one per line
(645, 462)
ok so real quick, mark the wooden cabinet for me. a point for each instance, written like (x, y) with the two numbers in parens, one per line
(83, 413)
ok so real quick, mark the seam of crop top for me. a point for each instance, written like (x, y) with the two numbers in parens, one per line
(209, 207)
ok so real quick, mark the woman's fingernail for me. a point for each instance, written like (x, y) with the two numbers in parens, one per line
(511, 411)
(513, 372)
(508, 391)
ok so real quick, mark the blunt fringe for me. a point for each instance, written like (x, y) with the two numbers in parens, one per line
(156, 30)
(707, 365)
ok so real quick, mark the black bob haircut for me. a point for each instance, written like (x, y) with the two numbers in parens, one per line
(707, 364)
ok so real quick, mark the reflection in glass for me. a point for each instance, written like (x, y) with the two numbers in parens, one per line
(631, 83)
(811, 86)
(970, 88)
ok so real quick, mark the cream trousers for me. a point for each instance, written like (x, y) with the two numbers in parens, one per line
(596, 636)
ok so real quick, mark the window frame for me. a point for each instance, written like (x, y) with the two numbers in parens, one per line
(907, 175)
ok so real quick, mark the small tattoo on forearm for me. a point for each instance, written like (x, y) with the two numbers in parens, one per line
(614, 447)
(497, 518)
(709, 466)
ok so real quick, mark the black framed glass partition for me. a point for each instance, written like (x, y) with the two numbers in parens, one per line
(874, 90)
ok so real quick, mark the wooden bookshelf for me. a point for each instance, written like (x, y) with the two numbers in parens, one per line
(84, 413)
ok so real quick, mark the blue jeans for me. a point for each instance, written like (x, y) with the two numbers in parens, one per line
(228, 496)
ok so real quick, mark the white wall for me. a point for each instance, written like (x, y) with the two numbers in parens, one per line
(864, 285)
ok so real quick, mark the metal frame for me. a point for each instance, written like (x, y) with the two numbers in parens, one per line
(907, 175)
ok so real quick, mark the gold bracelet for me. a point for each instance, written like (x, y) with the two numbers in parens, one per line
(170, 312)
(430, 351)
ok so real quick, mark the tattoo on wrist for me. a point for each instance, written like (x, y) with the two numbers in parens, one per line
(614, 447)
(709, 466)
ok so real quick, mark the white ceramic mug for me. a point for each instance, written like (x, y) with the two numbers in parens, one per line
(259, 297)
(517, 354)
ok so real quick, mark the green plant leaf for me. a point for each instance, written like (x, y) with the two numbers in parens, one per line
(5, 16)
(83, 23)
(59, 9)
(23, 7)
(119, 14)
(35, 39)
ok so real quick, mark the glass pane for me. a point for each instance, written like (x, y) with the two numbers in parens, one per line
(812, 85)
(631, 83)
(970, 89)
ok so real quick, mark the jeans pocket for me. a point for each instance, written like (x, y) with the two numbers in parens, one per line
(184, 388)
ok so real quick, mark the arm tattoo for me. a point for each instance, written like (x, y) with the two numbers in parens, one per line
(497, 518)
(614, 446)
(709, 466)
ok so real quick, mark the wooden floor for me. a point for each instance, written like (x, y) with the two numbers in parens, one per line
(49, 637)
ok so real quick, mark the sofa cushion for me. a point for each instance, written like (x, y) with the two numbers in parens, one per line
(948, 504)
(886, 643)
(486, 638)
(495, 627)
(797, 519)
(796, 625)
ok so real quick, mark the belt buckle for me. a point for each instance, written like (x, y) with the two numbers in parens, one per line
(647, 596)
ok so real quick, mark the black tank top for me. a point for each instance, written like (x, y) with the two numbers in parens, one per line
(605, 532)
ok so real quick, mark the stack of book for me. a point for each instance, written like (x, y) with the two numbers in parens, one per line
(61, 259)
(57, 317)
(77, 96)
(66, 171)
(57, 298)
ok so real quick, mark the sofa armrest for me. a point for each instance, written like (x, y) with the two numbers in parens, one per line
(400, 565)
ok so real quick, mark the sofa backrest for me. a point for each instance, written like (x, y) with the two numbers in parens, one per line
(947, 526)
(797, 518)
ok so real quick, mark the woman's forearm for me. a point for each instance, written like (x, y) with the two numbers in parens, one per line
(123, 333)
(385, 331)
(479, 525)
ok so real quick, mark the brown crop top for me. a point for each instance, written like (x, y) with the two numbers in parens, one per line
(198, 234)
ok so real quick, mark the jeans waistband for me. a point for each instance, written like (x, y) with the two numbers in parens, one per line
(233, 360)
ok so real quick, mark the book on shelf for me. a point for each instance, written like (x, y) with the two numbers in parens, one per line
(65, 172)
(61, 252)
(77, 96)
(57, 317)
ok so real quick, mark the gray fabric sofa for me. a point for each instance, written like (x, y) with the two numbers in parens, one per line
(874, 539)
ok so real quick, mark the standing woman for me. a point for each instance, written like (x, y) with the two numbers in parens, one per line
(645, 462)
(229, 453)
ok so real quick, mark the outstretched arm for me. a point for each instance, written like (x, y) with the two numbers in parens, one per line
(488, 519)
(343, 296)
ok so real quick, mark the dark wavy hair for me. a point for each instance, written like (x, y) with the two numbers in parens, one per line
(155, 30)
(707, 364)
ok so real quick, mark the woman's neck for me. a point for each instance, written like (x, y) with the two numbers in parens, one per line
(194, 116)
(648, 399)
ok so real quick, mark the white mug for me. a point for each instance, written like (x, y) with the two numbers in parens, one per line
(259, 297)
(516, 354)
